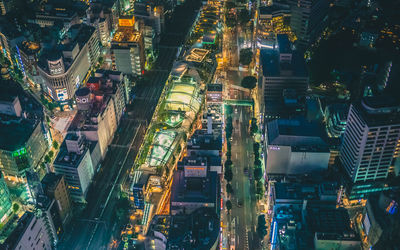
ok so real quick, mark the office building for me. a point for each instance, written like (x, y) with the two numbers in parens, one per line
(6, 6)
(100, 16)
(30, 233)
(65, 68)
(29, 56)
(114, 84)
(47, 209)
(5, 201)
(370, 141)
(308, 19)
(380, 221)
(55, 187)
(331, 228)
(193, 188)
(127, 48)
(22, 146)
(98, 114)
(75, 163)
(284, 71)
(10, 105)
(198, 230)
(52, 15)
(336, 119)
(273, 19)
(295, 147)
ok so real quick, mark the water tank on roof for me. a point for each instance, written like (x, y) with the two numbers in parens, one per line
(83, 99)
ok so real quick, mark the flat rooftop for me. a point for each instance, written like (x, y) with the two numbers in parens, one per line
(194, 189)
(295, 132)
(273, 68)
(69, 159)
(126, 34)
(295, 191)
(14, 135)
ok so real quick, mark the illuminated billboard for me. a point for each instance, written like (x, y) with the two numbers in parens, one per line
(126, 21)
(62, 94)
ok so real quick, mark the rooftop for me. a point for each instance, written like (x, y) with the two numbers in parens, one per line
(283, 43)
(379, 110)
(295, 191)
(14, 134)
(199, 230)
(13, 239)
(69, 159)
(50, 181)
(194, 189)
(295, 132)
(126, 34)
(273, 68)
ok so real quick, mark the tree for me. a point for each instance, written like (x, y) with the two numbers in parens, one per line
(257, 173)
(15, 207)
(228, 205)
(260, 189)
(261, 226)
(47, 159)
(55, 145)
(245, 56)
(257, 162)
(249, 82)
(51, 154)
(228, 153)
(228, 163)
(228, 175)
(256, 147)
(244, 16)
(229, 188)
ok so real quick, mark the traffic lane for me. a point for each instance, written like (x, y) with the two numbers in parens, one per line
(102, 235)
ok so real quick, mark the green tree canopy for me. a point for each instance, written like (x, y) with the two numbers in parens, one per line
(249, 82)
(261, 226)
(229, 188)
(228, 175)
(15, 207)
(256, 147)
(245, 56)
(55, 144)
(244, 16)
(228, 205)
(257, 173)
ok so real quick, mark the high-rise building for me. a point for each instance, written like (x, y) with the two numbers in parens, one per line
(75, 163)
(127, 47)
(64, 69)
(55, 187)
(307, 19)
(284, 72)
(295, 147)
(371, 138)
(30, 233)
(6, 6)
(5, 201)
(22, 146)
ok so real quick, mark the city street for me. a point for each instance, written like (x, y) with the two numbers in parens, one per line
(92, 228)
(243, 198)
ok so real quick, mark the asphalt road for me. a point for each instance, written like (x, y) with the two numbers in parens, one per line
(93, 227)
(243, 198)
